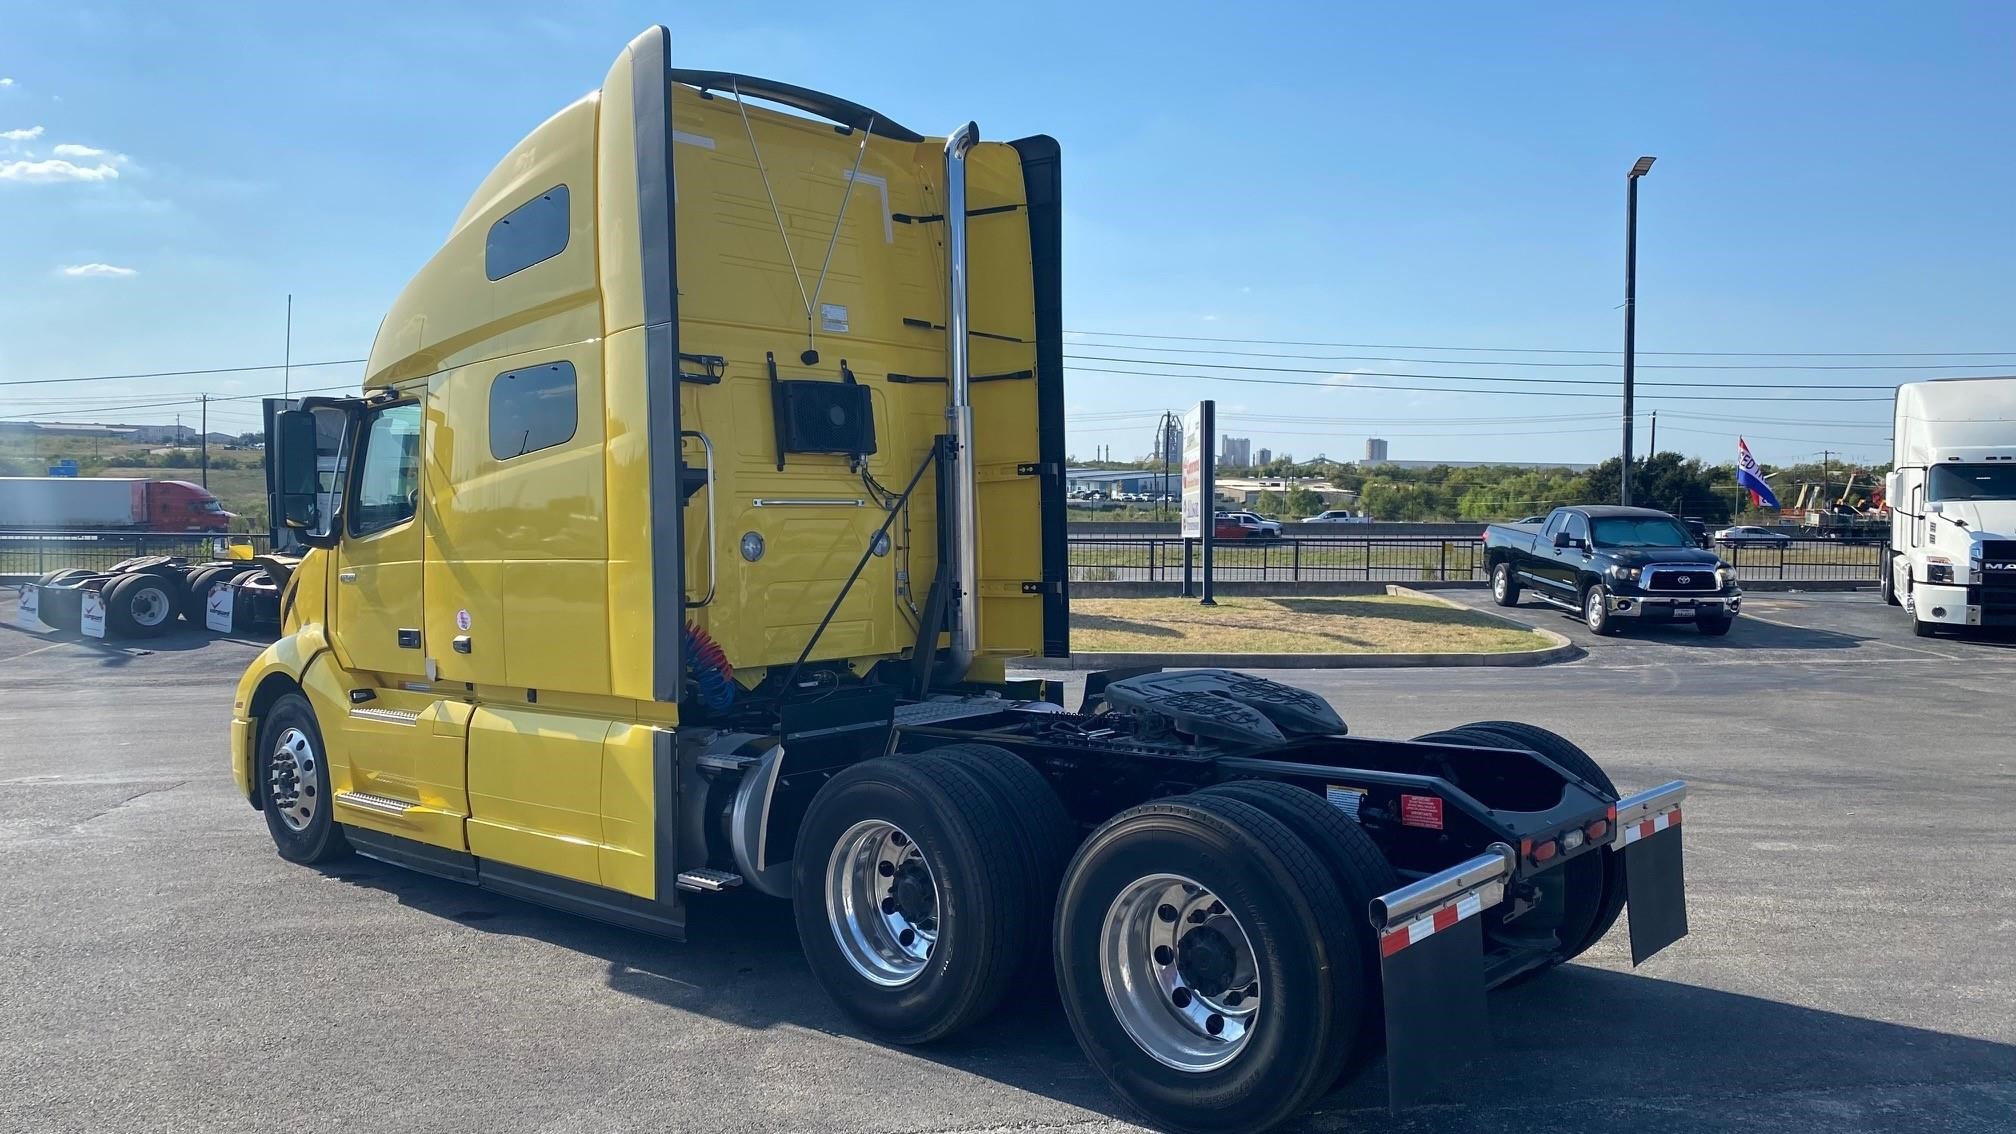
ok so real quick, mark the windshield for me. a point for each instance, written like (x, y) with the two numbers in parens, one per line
(1971, 482)
(211, 506)
(1632, 531)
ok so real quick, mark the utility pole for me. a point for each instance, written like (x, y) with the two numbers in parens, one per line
(205, 398)
(1652, 450)
(287, 354)
(1826, 480)
(1638, 169)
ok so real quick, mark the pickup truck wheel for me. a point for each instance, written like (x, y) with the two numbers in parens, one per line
(1593, 884)
(1596, 611)
(909, 912)
(1356, 865)
(1203, 956)
(140, 605)
(1504, 588)
(292, 778)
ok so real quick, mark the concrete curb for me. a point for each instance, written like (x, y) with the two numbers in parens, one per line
(1561, 650)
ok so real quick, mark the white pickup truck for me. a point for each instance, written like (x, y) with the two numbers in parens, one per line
(1952, 493)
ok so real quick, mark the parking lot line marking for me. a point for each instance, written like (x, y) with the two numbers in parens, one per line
(32, 653)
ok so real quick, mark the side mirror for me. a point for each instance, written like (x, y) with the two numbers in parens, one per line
(297, 476)
(1561, 540)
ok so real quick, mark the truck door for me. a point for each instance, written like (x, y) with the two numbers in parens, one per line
(376, 617)
(1568, 562)
(1543, 568)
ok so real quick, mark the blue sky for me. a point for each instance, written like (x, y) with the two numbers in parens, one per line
(1831, 178)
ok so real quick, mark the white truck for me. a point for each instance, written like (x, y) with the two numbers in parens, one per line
(1952, 494)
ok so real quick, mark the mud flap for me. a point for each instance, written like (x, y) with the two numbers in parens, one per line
(1431, 967)
(1655, 884)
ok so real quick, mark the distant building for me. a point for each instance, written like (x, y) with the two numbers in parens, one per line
(1110, 481)
(1169, 445)
(1375, 450)
(1264, 457)
(1236, 452)
(1569, 466)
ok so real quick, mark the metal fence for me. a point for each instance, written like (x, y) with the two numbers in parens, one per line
(1292, 559)
(29, 556)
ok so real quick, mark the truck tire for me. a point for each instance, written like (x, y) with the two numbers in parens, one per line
(241, 613)
(1356, 865)
(292, 779)
(1045, 837)
(1204, 961)
(65, 612)
(1596, 612)
(1593, 885)
(910, 913)
(141, 605)
(1887, 585)
(194, 607)
(1504, 588)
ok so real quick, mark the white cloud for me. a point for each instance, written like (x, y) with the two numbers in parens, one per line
(1210, 318)
(6, 81)
(72, 150)
(26, 134)
(96, 271)
(55, 170)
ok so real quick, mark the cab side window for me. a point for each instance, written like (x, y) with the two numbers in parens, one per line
(388, 470)
(529, 234)
(1553, 525)
(1578, 527)
(532, 409)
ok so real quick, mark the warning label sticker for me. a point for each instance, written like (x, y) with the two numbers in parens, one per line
(833, 317)
(1421, 811)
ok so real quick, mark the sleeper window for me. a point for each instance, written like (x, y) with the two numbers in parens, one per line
(528, 234)
(532, 409)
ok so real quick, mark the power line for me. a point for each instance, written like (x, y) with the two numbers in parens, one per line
(1444, 390)
(41, 414)
(178, 373)
(1549, 362)
(1560, 350)
(1528, 380)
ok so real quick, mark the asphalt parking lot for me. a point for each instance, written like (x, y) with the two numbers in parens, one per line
(1852, 967)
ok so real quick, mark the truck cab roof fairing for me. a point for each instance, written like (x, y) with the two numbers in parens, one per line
(830, 107)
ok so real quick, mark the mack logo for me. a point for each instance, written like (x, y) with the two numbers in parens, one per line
(2009, 566)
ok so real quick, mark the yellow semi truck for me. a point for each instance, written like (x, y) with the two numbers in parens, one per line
(700, 486)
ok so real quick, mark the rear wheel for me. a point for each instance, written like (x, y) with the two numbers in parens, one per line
(1205, 964)
(1592, 884)
(1504, 588)
(201, 580)
(62, 611)
(1356, 865)
(909, 911)
(1887, 585)
(140, 605)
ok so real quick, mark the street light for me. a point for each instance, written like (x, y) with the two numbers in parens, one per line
(1639, 169)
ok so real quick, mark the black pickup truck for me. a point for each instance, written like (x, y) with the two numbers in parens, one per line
(1613, 565)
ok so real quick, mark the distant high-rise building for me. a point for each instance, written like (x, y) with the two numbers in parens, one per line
(1169, 444)
(1236, 452)
(1375, 450)
(1287, 458)
(1264, 457)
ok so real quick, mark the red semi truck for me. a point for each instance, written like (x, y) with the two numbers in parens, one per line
(73, 504)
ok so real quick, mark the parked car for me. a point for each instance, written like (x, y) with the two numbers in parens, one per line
(1750, 533)
(1244, 526)
(1271, 527)
(1531, 520)
(1614, 566)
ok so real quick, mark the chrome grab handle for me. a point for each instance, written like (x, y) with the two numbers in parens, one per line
(713, 541)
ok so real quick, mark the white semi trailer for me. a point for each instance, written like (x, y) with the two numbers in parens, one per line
(1952, 493)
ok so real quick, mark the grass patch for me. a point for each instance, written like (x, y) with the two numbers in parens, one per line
(1368, 624)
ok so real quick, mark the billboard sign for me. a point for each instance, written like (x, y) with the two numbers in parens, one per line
(1199, 445)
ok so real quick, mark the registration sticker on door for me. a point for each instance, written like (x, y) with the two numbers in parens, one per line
(218, 607)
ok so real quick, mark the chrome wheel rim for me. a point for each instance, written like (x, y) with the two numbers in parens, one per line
(149, 606)
(1500, 580)
(290, 780)
(1180, 973)
(1592, 612)
(882, 903)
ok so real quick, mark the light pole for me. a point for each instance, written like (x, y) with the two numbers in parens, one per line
(1638, 169)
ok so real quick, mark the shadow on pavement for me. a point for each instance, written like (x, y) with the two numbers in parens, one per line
(1580, 1041)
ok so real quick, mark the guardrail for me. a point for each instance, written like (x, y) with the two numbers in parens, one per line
(1332, 558)
(27, 556)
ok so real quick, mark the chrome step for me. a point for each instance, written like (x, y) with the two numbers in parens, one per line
(379, 803)
(708, 880)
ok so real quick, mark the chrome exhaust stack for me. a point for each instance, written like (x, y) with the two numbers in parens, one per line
(965, 493)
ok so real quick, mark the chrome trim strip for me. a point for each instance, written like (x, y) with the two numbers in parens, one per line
(806, 502)
(368, 802)
(386, 716)
(1492, 866)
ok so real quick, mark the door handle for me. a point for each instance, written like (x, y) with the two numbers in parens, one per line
(346, 576)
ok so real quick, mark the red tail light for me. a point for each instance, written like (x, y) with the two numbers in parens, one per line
(1598, 829)
(1543, 851)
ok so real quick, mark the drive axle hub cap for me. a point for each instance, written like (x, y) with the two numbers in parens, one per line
(1179, 972)
(290, 783)
(149, 606)
(882, 903)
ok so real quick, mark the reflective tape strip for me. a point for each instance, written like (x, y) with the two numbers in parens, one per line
(1467, 904)
(1646, 828)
